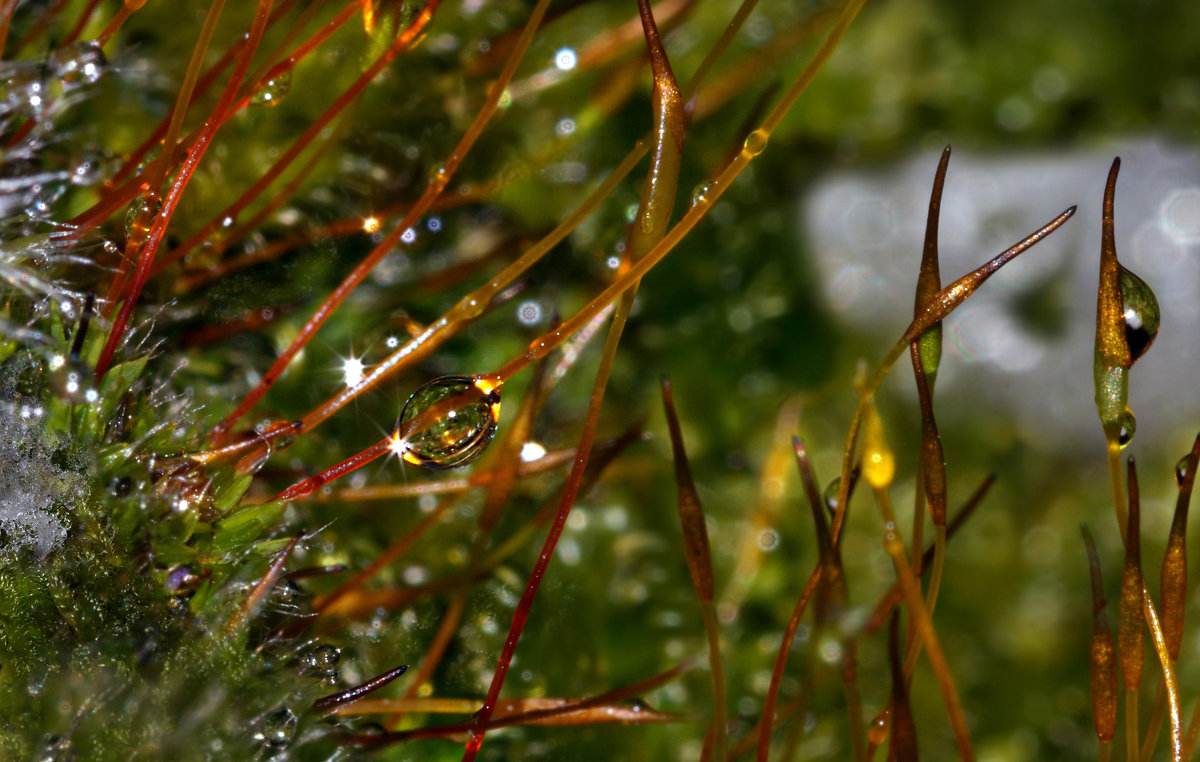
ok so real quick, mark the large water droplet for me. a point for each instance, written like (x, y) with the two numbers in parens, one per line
(78, 64)
(1128, 428)
(701, 192)
(272, 90)
(1141, 314)
(448, 422)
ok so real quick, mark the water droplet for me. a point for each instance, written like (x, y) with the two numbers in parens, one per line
(755, 143)
(274, 730)
(1141, 314)
(701, 193)
(1181, 469)
(1128, 428)
(89, 169)
(878, 732)
(529, 313)
(440, 175)
(321, 661)
(448, 422)
(78, 64)
(72, 382)
(565, 59)
(830, 496)
(273, 88)
(878, 461)
(141, 215)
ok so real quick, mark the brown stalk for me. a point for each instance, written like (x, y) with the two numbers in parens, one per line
(699, 562)
(1174, 566)
(903, 747)
(1103, 653)
(1130, 622)
(831, 599)
(351, 695)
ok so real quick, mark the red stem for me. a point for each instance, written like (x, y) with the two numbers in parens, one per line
(158, 230)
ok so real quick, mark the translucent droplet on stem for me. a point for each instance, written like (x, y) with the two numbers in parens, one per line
(1128, 428)
(448, 422)
(755, 143)
(141, 215)
(830, 496)
(700, 193)
(1141, 314)
(877, 733)
(272, 90)
(78, 64)
(1181, 470)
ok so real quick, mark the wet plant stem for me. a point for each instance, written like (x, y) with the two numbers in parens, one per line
(1168, 675)
(1193, 733)
(1155, 725)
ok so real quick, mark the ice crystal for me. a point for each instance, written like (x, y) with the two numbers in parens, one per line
(35, 491)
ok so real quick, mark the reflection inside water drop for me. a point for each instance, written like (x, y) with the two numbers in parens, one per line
(448, 422)
(1128, 428)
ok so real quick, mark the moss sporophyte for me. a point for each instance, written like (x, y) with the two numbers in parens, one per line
(249, 252)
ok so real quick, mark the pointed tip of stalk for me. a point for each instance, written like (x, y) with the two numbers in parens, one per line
(349, 695)
(1174, 565)
(691, 513)
(929, 280)
(815, 500)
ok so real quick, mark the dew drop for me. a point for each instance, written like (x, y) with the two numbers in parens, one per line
(1128, 428)
(321, 661)
(878, 732)
(700, 193)
(78, 64)
(274, 731)
(141, 215)
(72, 382)
(755, 143)
(1181, 470)
(1141, 314)
(830, 496)
(272, 90)
(89, 169)
(448, 422)
(440, 175)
